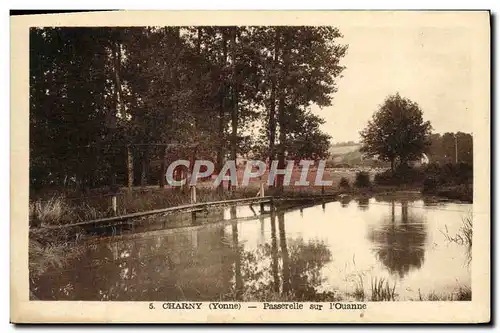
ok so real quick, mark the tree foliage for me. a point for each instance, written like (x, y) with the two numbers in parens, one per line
(396, 132)
(451, 148)
(100, 97)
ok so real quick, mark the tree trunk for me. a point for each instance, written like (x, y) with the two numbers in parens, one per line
(234, 98)
(220, 148)
(272, 102)
(130, 168)
(222, 105)
(281, 112)
(163, 168)
(145, 167)
(281, 147)
(119, 99)
(191, 164)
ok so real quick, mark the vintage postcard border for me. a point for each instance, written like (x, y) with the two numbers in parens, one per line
(25, 311)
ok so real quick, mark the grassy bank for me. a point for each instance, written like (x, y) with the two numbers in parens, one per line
(456, 192)
(461, 293)
(60, 210)
(52, 249)
(381, 290)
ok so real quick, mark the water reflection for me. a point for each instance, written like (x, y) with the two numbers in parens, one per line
(345, 200)
(237, 258)
(274, 253)
(303, 255)
(363, 203)
(295, 266)
(400, 243)
(200, 268)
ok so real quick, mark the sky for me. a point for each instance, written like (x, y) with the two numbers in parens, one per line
(430, 64)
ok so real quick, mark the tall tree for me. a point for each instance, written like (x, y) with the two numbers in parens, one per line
(309, 67)
(70, 106)
(121, 96)
(396, 132)
(306, 140)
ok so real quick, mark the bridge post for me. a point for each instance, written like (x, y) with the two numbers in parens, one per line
(113, 204)
(193, 194)
(261, 192)
(193, 201)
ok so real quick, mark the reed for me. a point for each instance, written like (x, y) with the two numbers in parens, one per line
(464, 234)
(52, 249)
(381, 290)
(461, 293)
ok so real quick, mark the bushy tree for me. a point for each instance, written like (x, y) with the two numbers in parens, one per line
(396, 132)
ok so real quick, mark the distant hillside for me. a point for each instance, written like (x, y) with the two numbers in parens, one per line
(342, 150)
(350, 155)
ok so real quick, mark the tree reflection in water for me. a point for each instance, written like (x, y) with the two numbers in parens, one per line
(237, 258)
(363, 203)
(291, 270)
(344, 201)
(147, 268)
(400, 245)
(203, 264)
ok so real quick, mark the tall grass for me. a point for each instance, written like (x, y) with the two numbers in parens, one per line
(52, 248)
(60, 210)
(359, 289)
(52, 211)
(464, 234)
(381, 290)
(461, 293)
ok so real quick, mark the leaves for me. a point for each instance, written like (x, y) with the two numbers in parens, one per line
(96, 91)
(396, 131)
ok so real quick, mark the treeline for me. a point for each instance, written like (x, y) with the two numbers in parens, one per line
(112, 106)
(451, 148)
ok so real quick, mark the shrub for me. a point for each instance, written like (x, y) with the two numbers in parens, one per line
(430, 185)
(450, 174)
(362, 179)
(384, 178)
(330, 164)
(431, 169)
(456, 192)
(52, 211)
(344, 183)
(409, 175)
(403, 174)
(464, 173)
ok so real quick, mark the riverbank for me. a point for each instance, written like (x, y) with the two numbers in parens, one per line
(60, 210)
(457, 192)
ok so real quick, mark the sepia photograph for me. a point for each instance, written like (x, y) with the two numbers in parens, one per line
(328, 162)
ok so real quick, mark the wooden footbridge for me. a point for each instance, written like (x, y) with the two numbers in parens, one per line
(193, 208)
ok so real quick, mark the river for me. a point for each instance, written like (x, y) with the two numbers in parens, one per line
(333, 251)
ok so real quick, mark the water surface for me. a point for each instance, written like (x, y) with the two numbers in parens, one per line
(323, 252)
